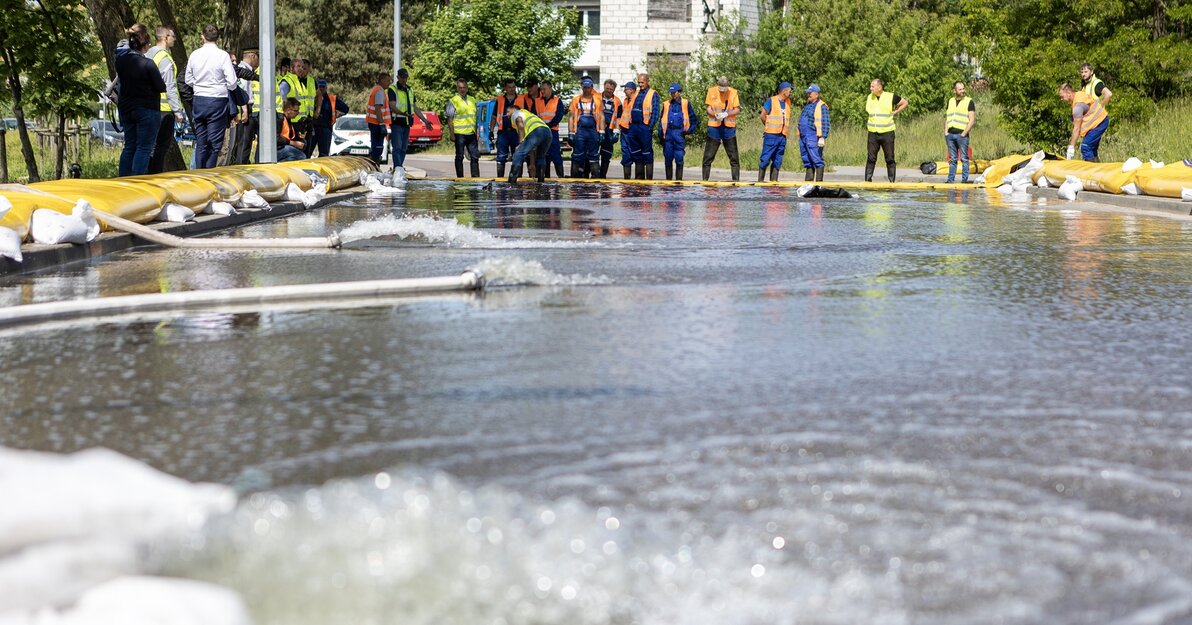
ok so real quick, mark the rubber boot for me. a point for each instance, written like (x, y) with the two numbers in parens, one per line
(604, 168)
(639, 171)
(559, 170)
(649, 171)
(737, 173)
(576, 170)
(890, 171)
(500, 170)
(670, 170)
(868, 172)
(475, 166)
(678, 171)
(628, 171)
(810, 175)
(542, 171)
(819, 174)
(761, 174)
(707, 171)
(773, 173)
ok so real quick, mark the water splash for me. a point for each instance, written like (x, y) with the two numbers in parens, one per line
(447, 232)
(514, 271)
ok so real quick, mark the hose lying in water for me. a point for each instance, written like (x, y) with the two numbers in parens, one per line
(334, 293)
(169, 240)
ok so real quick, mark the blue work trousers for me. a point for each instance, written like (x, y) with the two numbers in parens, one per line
(210, 122)
(399, 144)
(958, 147)
(586, 151)
(537, 143)
(289, 153)
(641, 141)
(1091, 143)
(773, 149)
(626, 149)
(606, 149)
(376, 134)
(507, 142)
(674, 146)
(140, 134)
(810, 151)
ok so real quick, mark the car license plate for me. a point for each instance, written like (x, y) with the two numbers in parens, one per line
(357, 150)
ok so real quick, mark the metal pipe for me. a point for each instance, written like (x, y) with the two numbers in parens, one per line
(267, 126)
(396, 38)
(169, 240)
(332, 294)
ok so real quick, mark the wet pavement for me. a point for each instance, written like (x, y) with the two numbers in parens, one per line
(701, 406)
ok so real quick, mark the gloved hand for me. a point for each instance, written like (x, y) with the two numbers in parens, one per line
(1071, 152)
(721, 115)
(820, 143)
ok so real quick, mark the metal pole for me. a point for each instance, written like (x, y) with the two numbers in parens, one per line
(396, 37)
(267, 129)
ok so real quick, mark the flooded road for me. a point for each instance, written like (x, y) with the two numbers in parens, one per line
(707, 406)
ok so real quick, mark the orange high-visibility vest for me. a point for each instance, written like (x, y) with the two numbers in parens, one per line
(287, 131)
(549, 111)
(499, 117)
(647, 105)
(334, 111)
(779, 117)
(666, 115)
(378, 114)
(714, 100)
(582, 105)
(627, 111)
(1095, 115)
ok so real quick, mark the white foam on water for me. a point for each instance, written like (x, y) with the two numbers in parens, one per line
(447, 232)
(422, 549)
(513, 271)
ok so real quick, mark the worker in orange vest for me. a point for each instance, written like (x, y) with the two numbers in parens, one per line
(1089, 122)
(378, 116)
(586, 121)
(550, 109)
(776, 116)
(328, 108)
(676, 122)
(723, 104)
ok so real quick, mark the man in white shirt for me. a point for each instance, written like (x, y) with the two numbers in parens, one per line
(209, 71)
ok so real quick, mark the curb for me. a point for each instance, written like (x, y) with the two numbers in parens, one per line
(1169, 206)
(39, 257)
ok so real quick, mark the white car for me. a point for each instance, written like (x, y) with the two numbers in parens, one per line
(350, 136)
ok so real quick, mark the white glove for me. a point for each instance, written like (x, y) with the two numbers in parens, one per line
(721, 115)
(1071, 152)
(820, 143)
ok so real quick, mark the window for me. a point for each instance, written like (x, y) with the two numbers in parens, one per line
(675, 10)
(589, 17)
(593, 73)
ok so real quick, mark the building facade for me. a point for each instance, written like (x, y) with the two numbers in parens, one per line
(624, 35)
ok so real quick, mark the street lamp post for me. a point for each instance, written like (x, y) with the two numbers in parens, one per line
(267, 129)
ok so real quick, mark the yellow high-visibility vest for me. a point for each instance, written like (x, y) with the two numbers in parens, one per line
(881, 112)
(464, 122)
(162, 55)
(958, 113)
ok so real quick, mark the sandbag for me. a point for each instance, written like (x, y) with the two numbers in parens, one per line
(269, 185)
(175, 213)
(228, 184)
(1103, 177)
(341, 172)
(24, 200)
(286, 173)
(1166, 181)
(183, 190)
(220, 208)
(1000, 168)
(816, 191)
(941, 167)
(10, 244)
(1071, 186)
(251, 199)
(131, 200)
(50, 227)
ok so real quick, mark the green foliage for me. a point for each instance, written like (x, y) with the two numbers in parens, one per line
(55, 65)
(487, 41)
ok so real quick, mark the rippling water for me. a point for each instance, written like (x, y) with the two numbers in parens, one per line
(715, 406)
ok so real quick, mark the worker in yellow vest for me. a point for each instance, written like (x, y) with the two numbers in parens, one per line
(776, 117)
(677, 121)
(461, 125)
(535, 142)
(723, 104)
(882, 106)
(1090, 84)
(171, 104)
(404, 108)
(958, 123)
(1089, 122)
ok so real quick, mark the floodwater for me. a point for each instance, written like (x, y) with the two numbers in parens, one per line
(701, 406)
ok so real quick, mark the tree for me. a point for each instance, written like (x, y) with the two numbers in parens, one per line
(478, 41)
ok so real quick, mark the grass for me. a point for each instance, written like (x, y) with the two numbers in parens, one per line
(1165, 137)
(96, 159)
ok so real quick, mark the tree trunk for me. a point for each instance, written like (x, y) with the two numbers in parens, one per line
(18, 111)
(112, 19)
(165, 13)
(3, 155)
(60, 147)
(241, 26)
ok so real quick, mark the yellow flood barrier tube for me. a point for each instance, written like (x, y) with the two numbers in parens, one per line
(830, 184)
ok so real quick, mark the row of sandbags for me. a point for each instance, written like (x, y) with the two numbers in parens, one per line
(63, 206)
(1132, 177)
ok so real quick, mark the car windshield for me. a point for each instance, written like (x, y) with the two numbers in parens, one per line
(351, 123)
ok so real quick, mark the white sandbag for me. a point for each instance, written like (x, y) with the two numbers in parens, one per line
(803, 190)
(1072, 185)
(1026, 171)
(1132, 189)
(215, 207)
(50, 227)
(1186, 194)
(157, 601)
(252, 199)
(1131, 164)
(10, 244)
(56, 573)
(375, 185)
(1043, 182)
(175, 213)
(316, 178)
(1158, 164)
(315, 194)
(1006, 189)
(293, 193)
(5, 206)
(1022, 185)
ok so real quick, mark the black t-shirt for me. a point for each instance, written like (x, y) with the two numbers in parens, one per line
(141, 85)
(956, 131)
(1096, 90)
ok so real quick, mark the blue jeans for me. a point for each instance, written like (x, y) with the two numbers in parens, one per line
(140, 135)
(773, 149)
(536, 143)
(210, 121)
(1091, 143)
(399, 144)
(809, 149)
(376, 140)
(290, 153)
(957, 145)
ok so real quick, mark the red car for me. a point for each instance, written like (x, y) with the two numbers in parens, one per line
(420, 137)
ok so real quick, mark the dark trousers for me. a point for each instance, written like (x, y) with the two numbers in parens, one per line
(210, 120)
(469, 145)
(730, 148)
(323, 138)
(165, 136)
(307, 129)
(606, 151)
(885, 141)
(140, 135)
(248, 132)
(377, 134)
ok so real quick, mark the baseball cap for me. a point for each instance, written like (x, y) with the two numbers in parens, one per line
(784, 85)
(403, 73)
(630, 85)
(320, 83)
(814, 88)
(675, 87)
(586, 82)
